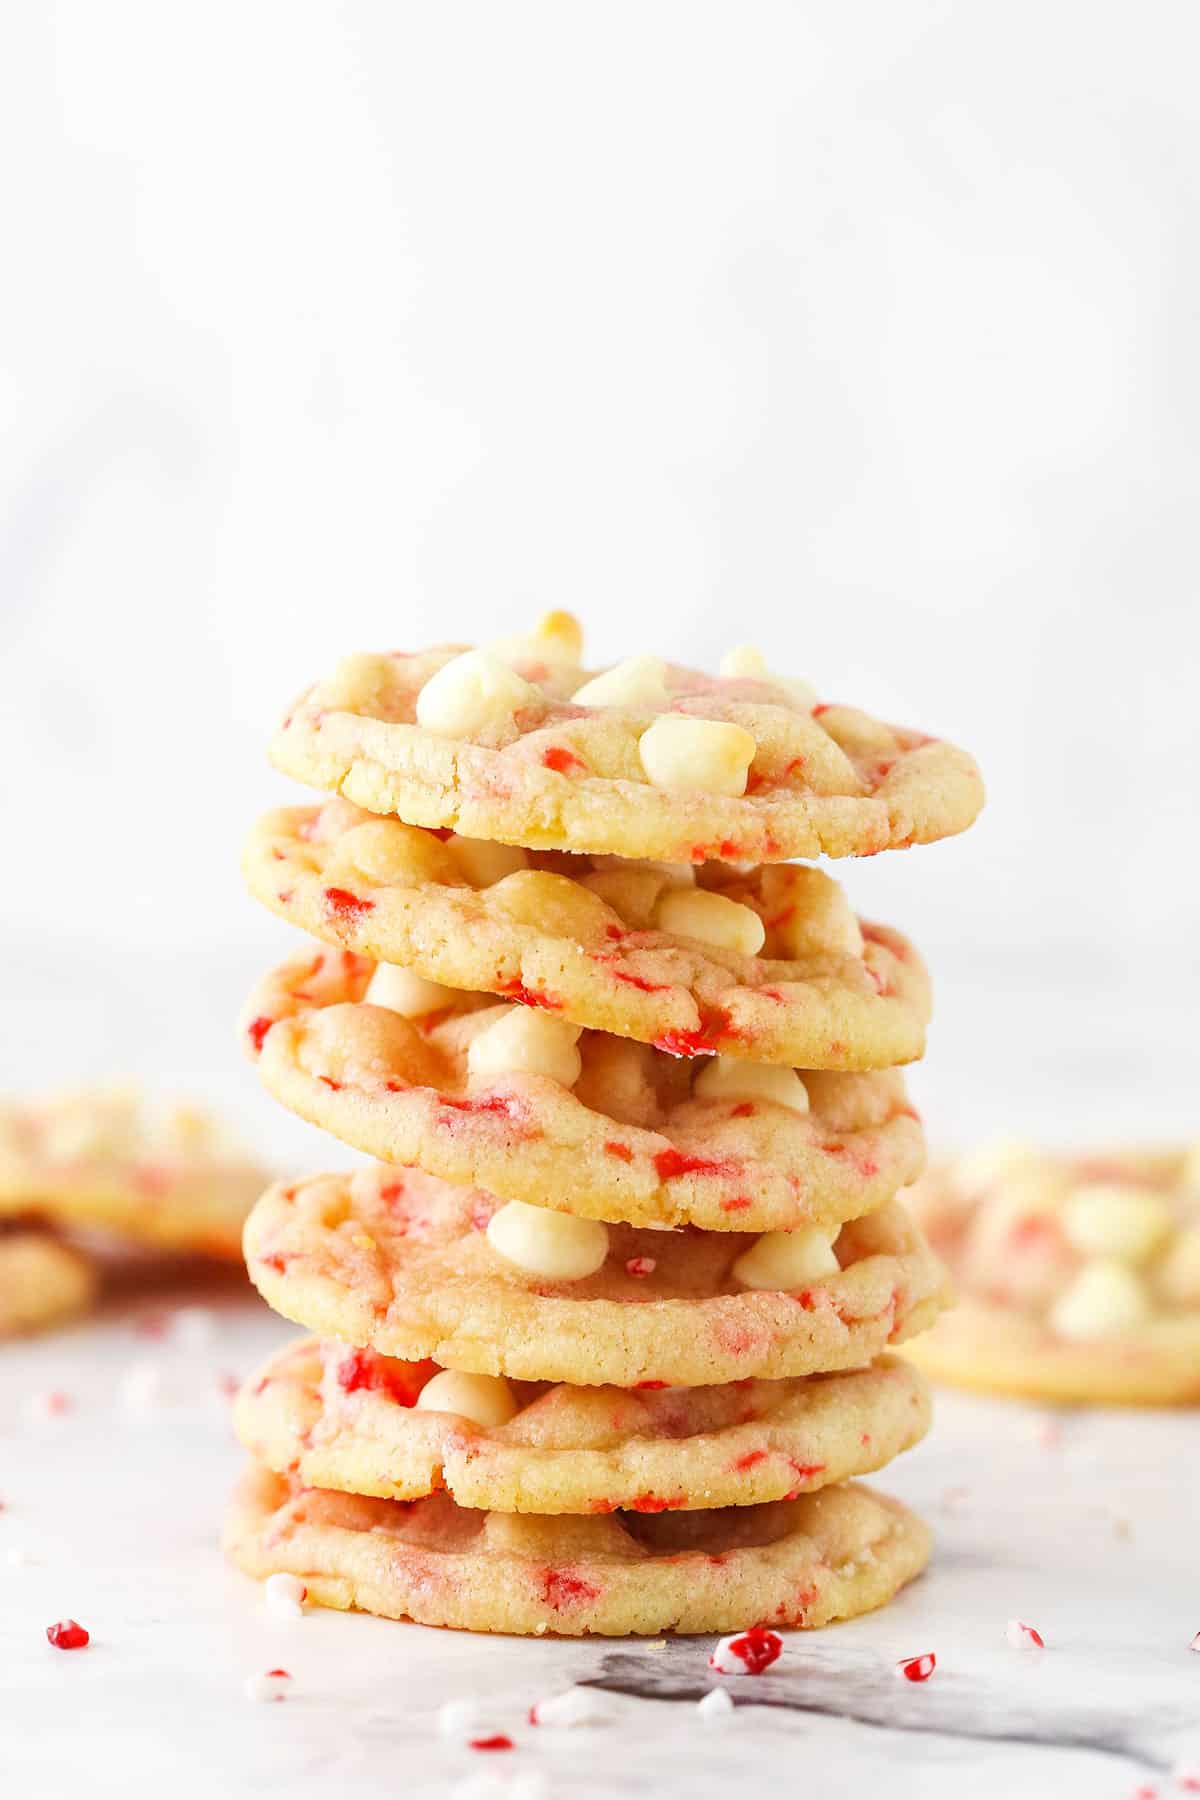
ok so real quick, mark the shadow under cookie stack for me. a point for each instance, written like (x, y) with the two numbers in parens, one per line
(601, 1334)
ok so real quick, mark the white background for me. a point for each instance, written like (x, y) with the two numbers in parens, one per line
(868, 332)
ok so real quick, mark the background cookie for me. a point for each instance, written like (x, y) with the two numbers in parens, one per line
(767, 963)
(828, 1555)
(653, 760)
(1080, 1274)
(42, 1281)
(404, 1263)
(103, 1157)
(338, 1417)
(621, 1131)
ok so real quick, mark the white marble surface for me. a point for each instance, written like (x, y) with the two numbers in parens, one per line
(1091, 1538)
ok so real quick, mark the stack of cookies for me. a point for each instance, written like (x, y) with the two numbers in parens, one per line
(601, 1333)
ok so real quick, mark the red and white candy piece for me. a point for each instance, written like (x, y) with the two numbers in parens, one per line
(68, 1634)
(917, 1668)
(285, 1596)
(639, 1266)
(274, 1685)
(746, 1652)
(1023, 1637)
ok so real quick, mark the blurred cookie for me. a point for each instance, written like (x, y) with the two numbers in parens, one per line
(1079, 1275)
(42, 1281)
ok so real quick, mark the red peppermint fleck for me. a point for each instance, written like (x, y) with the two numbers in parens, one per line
(345, 905)
(917, 1668)
(621, 1151)
(640, 982)
(1024, 1637)
(227, 1384)
(400, 1381)
(563, 761)
(257, 1030)
(656, 1503)
(527, 996)
(561, 1589)
(738, 1203)
(1195, 1643)
(498, 1741)
(750, 1460)
(685, 1043)
(639, 1266)
(329, 1082)
(68, 1634)
(743, 1110)
(670, 1163)
(809, 1471)
(824, 707)
(651, 1384)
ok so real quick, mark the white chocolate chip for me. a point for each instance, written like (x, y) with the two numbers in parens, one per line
(470, 693)
(285, 1595)
(405, 992)
(638, 681)
(524, 1041)
(728, 1078)
(1108, 1219)
(1105, 1299)
(556, 638)
(696, 913)
(696, 756)
(483, 863)
(745, 662)
(675, 874)
(555, 1245)
(485, 1399)
(783, 1260)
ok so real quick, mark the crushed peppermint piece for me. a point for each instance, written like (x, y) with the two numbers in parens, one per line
(576, 1706)
(639, 1266)
(1023, 1637)
(746, 1652)
(716, 1707)
(497, 1740)
(142, 1388)
(274, 1685)
(285, 1595)
(193, 1327)
(917, 1668)
(1195, 1643)
(1186, 1777)
(51, 1403)
(68, 1634)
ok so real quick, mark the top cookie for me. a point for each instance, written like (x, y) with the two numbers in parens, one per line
(519, 744)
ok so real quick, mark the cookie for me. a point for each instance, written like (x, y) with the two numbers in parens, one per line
(652, 761)
(401, 1262)
(338, 1417)
(767, 963)
(804, 1562)
(101, 1158)
(1080, 1274)
(638, 1135)
(42, 1281)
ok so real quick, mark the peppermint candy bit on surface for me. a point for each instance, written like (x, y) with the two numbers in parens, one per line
(716, 1707)
(1023, 1637)
(52, 1403)
(68, 1634)
(271, 1686)
(285, 1596)
(498, 1740)
(1186, 1777)
(917, 1668)
(746, 1652)
(575, 1706)
(1195, 1643)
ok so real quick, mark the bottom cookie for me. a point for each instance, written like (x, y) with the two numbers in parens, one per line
(828, 1555)
(42, 1281)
